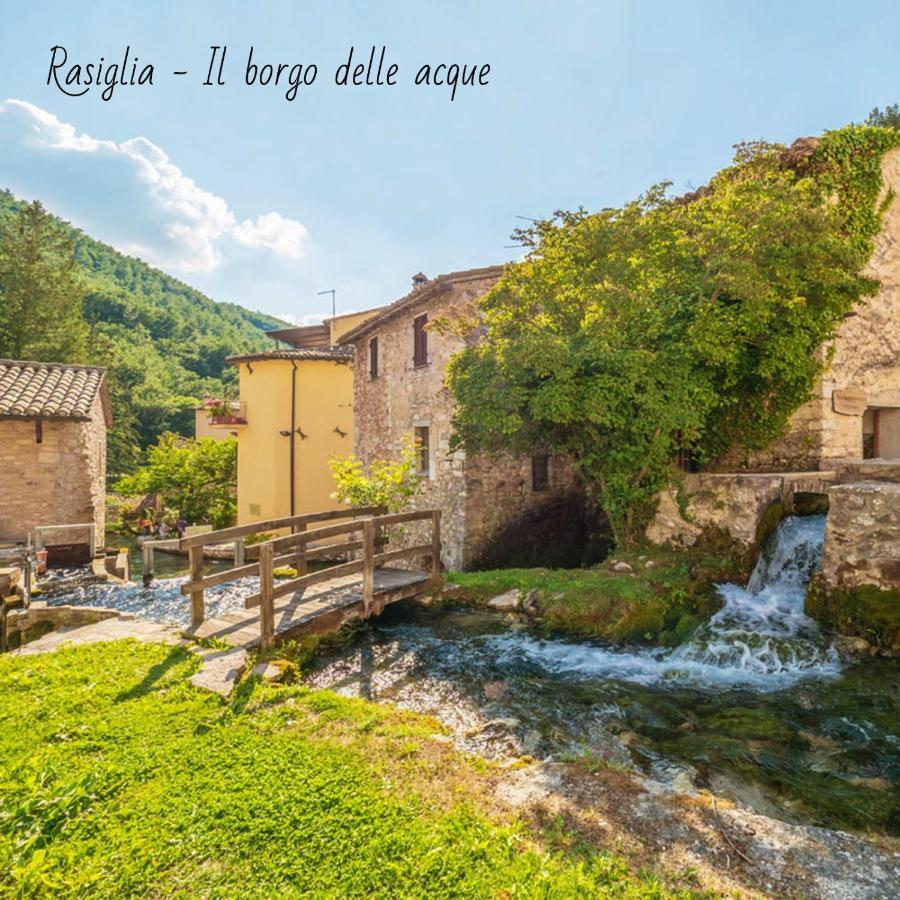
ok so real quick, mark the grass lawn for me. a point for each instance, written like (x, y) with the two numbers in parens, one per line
(122, 780)
(660, 603)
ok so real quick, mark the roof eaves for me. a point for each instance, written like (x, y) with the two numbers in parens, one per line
(436, 286)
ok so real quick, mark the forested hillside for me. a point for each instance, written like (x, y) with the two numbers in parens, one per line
(164, 342)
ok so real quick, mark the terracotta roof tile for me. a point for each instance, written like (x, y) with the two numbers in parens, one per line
(338, 354)
(54, 390)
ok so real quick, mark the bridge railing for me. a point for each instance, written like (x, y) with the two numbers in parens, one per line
(365, 532)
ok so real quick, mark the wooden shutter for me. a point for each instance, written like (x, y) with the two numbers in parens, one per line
(373, 357)
(420, 341)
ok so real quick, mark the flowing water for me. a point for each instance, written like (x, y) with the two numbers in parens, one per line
(757, 705)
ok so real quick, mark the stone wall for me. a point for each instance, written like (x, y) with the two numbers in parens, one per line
(736, 505)
(508, 523)
(866, 362)
(862, 536)
(857, 591)
(387, 409)
(476, 495)
(61, 480)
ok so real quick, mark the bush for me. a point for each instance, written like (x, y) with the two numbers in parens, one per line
(199, 478)
(388, 484)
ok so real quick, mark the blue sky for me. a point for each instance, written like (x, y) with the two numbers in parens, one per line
(265, 202)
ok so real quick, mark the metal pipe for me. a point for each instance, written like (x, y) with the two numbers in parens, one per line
(293, 427)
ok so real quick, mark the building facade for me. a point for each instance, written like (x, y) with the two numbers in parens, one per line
(295, 412)
(855, 410)
(53, 421)
(496, 509)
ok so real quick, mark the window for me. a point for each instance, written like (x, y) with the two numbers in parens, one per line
(423, 450)
(373, 357)
(540, 473)
(420, 341)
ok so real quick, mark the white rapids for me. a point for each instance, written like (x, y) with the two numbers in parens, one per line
(761, 637)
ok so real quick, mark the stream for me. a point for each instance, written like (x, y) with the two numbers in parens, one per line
(757, 705)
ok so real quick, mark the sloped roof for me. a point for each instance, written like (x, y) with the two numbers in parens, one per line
(304, 337)
(50, 390)
(338, 354)
(419, 295)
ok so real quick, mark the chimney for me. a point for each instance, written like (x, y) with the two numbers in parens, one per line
(419, 279)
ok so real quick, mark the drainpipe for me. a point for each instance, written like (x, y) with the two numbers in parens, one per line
(293, 426)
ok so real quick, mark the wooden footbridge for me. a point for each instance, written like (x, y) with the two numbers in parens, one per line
(318, 601)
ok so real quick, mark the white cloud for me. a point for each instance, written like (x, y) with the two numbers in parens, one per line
(286, 237)
(157, 211)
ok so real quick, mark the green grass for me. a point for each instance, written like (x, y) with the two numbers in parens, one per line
(659, 604)
(121, 779)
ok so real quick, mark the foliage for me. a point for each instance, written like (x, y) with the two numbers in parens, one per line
(693, 323)
(655, 604)
(121, 779)
(164, 342)
(391, 484)
(196, 477)
(41, 290)
(889, 117)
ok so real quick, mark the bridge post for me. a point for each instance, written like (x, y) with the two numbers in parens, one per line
(266, 600)
(195, 558)
(300, 562)
(435, 543)
(368, 558)
(147, 559)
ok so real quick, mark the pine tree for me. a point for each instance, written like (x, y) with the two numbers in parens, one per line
(41, 290)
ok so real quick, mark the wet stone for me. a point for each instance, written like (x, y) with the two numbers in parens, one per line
(509, 600)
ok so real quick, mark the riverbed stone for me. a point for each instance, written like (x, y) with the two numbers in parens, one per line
(510, 600)
(531, 603)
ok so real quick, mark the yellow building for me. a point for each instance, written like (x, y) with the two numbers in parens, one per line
(295, 412)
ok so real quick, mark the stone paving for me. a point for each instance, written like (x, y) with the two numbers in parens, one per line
(115, 629)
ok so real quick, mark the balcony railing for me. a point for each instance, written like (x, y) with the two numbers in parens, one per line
(228, 415)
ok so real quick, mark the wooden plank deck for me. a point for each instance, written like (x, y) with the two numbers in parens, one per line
(320, 608)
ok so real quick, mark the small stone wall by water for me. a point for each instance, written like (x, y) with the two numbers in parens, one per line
(858, 590)
(744, 507)
(26, 624)
(862, 537)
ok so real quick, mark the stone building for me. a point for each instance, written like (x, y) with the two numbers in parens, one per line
(53, 420)
(855, 410)
(843, 445)
(497, 510)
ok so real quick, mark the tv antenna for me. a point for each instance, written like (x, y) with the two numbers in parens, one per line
(332, 292)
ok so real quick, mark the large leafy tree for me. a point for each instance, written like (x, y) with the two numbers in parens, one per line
(41, 290)
(693, 323)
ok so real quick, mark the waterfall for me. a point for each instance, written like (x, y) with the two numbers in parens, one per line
(761, 637)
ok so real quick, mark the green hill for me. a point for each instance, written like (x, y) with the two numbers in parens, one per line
(164, 341)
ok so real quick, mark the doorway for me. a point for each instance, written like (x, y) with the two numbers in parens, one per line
(881, 433)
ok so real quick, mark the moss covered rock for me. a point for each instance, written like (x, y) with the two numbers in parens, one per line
(865, 611)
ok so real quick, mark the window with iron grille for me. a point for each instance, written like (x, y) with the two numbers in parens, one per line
(540, 473)
(373, 357)
(420, 341)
